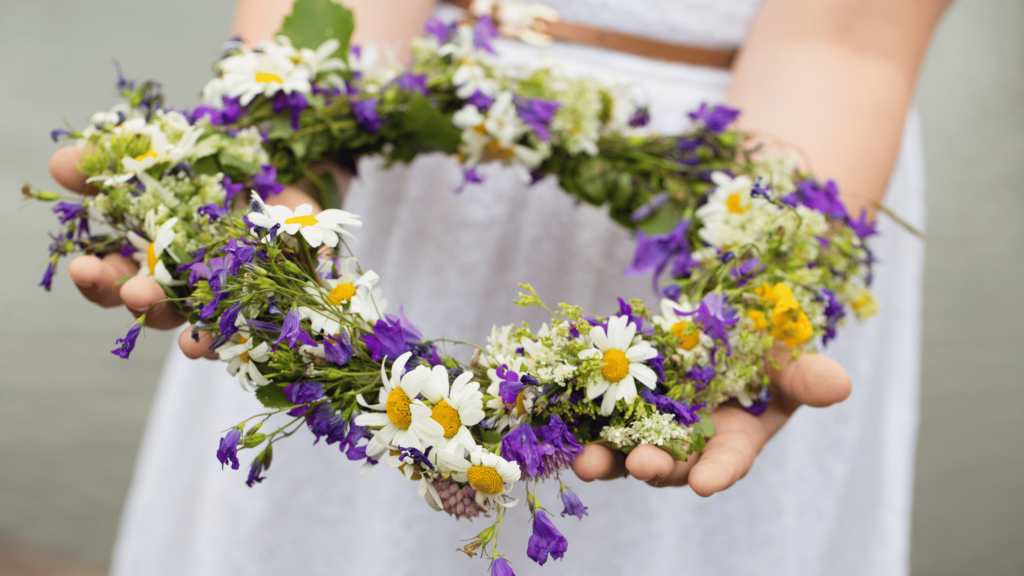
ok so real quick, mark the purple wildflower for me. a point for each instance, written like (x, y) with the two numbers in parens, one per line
(546, 539)
(127, 344)
(413, 82)
(702, 375)
(716, 315)
(744, 272)
(833, 314)
(684, 413)
(418, 458)
(760, 403)
(212, 211)
(48, 274)
(265, 183)
(304, 392)
(366, 115)
(196, 268)
(640, 118)
(716, 119)
(863, 227)
(292, 332)
(388, 340)
(537, 114)
(483, 32)
(322, 421)
(571, 501)
(824, 199)
(480, 100)
(230, 190)
(672, 292)
(338, 349)
(228, 319)
(228, 449)
(294, 102)
(520, 445)
(68, 211)
(559, 446)
(261, 463)
(469, 175)
(511, 385)
(647, 209)
(439, 30)
(653, 254)
(501, 567)
(58, 133)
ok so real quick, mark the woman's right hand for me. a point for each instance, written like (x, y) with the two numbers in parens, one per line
(96, 278)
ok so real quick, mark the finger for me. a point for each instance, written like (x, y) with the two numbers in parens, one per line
(64, 165)
(679, 475)
(196, 349)
(810, 379)
(141, 295)
(96, 279)
(739, 437)
(598, 462)
(647, 462)
(293, 197)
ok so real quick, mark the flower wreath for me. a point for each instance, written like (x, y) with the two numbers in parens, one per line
(756, 252)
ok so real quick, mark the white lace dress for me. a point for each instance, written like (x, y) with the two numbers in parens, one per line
(830, 494)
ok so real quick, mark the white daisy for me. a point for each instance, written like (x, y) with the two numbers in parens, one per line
(727, 210)
(338, 294)
(493, 136)
(242, 356)
(402, 420)
(506, 416)
(455, 408)
(622, 363)
(148, 252)
(322, 228)
(489, 474)
(676, 320)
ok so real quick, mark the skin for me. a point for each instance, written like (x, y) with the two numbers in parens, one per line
(831, 78)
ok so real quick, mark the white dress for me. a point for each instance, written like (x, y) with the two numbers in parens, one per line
(831, 494)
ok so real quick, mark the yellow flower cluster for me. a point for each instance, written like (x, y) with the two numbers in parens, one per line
(789, 323)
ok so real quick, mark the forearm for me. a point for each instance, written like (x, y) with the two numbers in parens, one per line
(386, 23)
(834, 79)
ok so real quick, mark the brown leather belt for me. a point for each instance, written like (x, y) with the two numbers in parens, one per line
(540, 25)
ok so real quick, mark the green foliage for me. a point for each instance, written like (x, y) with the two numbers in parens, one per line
(313, 22)
(428, 129)
(272, 396)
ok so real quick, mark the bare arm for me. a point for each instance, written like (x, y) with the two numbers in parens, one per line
(835, 77)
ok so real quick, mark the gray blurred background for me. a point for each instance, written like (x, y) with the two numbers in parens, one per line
(71, 415)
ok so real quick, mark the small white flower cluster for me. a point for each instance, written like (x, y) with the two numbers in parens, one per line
(273, 66)
(549, 358)
(655, 429)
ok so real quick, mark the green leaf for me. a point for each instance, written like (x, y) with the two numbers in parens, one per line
(330, 196)
(313, 22)
(663, 221)
(254, 440)
(430, 130)
(125, 279)
(207, 165)
(238, 169)
(272, 397)
(677, 448)
(705, 427)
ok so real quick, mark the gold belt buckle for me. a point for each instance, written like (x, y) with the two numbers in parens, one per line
(526, 21)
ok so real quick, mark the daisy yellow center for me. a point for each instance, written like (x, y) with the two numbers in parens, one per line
(486, 480)
(342, 293)
(151, 259)
(307, 220)
(496, 151)
(267, 77)
(149, 154)
(614, 365)
(687, 341)
(735, 204)
(521, 403)
(862, 301)
(447, 417)
(244, 355)
(398, 409)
